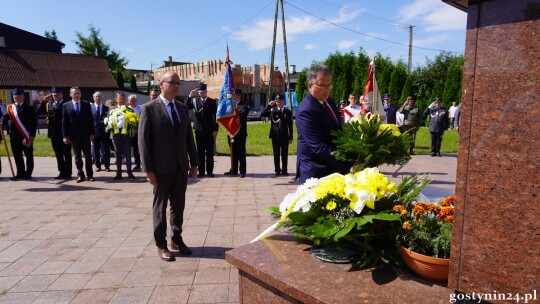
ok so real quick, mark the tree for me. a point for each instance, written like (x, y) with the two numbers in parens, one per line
(148, 87)
(383, 72)
(94, 45)
(119, 78)
(301, 87)
(132, 82)
(452, 85)
(51, 35)
(407, 89)
(399, 75)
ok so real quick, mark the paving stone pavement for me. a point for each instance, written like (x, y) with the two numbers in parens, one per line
(63, 242)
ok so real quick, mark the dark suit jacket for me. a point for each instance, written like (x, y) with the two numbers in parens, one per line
(314, 125)
(28, 118)
(281, 123)
(77, 127)
(437, 123)
(243, 111)
(390, 111)
(205, 115)
(54, 113)
(163, 151)
(99, 125)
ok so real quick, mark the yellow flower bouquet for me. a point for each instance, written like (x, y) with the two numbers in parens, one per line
(353, 210)
(121, 120)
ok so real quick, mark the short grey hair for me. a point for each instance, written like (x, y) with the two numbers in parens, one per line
(74, 89)
(315, 70)
(132, 96)
(97, 93)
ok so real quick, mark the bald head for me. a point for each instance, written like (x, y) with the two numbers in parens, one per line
(170, 84)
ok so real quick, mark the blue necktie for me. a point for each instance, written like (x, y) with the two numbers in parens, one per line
(77, 108)
(176, 122)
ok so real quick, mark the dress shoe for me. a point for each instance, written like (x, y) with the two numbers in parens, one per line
(80, 179)
(28, 177)
(107, 170)
(242, 175)
(17, 177)
(137, 168)
(165, 255)
(98, 169)
(228, 173)
(131, 176)
(432, 154)
(285, 173)
(60, 176)
(117, 176)
(91, 179)
(67, 177)
(210, 174)
(439, 154)
(200, 175)
(181, 247)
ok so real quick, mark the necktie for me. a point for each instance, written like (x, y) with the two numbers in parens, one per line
(98, 112)
(77, 108)
(176, 122)
(330, 112)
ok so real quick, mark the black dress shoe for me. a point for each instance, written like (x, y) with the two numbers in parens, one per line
(137, 168)
(131, 176)
(285, 174)
(107, 170)
(210, 174)
(98, 169)
(117, 176)
(17, 177)
(432, 154)
(67, 177)
(439, 154)
(200, 175)
(165, 255)
(277, 174)
(242, 175)
(91, 179)
(60, 176)
(228, 173)
(80, 179)
(181, 247)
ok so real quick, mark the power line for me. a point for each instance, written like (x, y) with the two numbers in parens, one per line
(227, 34)
(367, 35)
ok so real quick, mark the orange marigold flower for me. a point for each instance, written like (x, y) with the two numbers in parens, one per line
(449, 218)
(433, 208)
(422, 204)
(397, 208)
(418, 210)
(406, 225)
(451, 200)
(404, 213)
(448, 210)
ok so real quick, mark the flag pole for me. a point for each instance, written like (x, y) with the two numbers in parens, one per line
(7, 150)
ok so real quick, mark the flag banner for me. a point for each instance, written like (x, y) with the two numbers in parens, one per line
(372, 101)
(227, 114)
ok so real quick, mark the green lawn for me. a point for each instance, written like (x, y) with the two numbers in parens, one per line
(258, 142)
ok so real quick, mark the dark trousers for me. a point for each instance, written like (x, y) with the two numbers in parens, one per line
(83, 147)
(412, 132)
(170, 187)
(122, 148)
(135, 150)
(436, 140)
(101, 152)
(18, 148)
(205, 150)
(281, 149)
(239, 155)
(63, 155)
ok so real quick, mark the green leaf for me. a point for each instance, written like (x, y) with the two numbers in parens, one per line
(345, 230)
(272, 209)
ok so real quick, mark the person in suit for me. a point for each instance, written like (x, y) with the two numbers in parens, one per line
(390, 109)
(22, 133)
(205, 126)
(169, 156)
(101, 152)
(281, 132)
(438, 123)
(78, 129)
(316, 117)
(132, 104)
(239, 140)
(122, 142)
(62, 151)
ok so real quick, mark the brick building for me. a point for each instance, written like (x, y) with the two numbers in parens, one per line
(252, 80)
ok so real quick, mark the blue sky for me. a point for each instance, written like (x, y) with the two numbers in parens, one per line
(146, 33)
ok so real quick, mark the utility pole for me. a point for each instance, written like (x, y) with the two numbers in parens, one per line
(409, 66)
(286, 57)
(273, 54)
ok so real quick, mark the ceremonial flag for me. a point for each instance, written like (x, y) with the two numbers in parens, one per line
(227, 114)
(372, 101)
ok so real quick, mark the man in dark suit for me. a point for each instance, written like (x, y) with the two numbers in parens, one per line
(78, 129)
(101, 152)
(281, 131)
(61, 150)
(438, 123)
(239, 140)
(390, 109)
(22, 133)
(316, 117)
(205, 126)
(169, 156)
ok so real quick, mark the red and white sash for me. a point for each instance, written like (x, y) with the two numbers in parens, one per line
(17, 121)
(348, 113)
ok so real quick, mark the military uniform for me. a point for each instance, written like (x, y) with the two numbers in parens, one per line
(61, 150)
(411, 121)
(281, 133)
(438, 123)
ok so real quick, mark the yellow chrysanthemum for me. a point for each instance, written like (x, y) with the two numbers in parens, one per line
(334, 185)
(404, 213)
(331, 205)
(406, 225)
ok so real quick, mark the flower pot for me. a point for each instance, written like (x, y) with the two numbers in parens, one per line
(429, 268)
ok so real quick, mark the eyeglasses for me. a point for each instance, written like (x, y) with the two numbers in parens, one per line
(173, 83)
(328, 87)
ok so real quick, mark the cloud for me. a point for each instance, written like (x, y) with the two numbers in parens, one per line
(259, 36)
(346, 44)
(311, 46)
(433, 16)
(129, 50)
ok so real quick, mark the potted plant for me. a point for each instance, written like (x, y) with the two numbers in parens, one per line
(425, 236)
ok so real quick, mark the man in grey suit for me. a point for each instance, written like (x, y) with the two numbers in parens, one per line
(169, 156)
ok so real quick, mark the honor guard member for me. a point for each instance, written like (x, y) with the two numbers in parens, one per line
(61, 150)
(438, 123)
(239, 140)
(352, 110)
(22, 133)
(205, 126)
(281, 131)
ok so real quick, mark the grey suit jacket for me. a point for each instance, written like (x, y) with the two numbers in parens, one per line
(162, 151)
